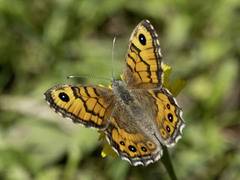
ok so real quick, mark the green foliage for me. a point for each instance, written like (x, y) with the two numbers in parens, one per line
(43, 42)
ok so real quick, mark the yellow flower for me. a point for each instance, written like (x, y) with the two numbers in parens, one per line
(107, 150)
(175, 88)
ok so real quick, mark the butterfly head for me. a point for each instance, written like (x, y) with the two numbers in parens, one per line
(118, 85)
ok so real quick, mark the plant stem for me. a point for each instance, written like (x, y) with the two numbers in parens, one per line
(168, 164)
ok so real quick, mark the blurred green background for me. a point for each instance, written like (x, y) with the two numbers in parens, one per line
(43, 42)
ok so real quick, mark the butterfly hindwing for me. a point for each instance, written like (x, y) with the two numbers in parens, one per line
(90, 106)
(129, 140)
(168, 116)
(143, 67)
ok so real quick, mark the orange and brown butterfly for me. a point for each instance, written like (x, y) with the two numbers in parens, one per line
(138, 114)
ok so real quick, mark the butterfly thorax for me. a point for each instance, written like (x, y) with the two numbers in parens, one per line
(121, 90)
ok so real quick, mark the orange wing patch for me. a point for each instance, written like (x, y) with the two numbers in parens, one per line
(88, 105)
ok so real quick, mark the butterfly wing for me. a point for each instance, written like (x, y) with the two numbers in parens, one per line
(168, 116)
(90, 106)
(143, 68)
(130, 141)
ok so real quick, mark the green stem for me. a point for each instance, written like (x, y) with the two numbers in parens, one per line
(168, 164)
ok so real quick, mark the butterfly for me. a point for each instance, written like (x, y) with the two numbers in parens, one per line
(138, 115)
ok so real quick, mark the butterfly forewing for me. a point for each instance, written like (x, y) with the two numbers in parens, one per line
(143, 67)
(90, 106)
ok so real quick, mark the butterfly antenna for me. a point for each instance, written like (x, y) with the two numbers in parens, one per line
(113, 49)
(92, 77)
